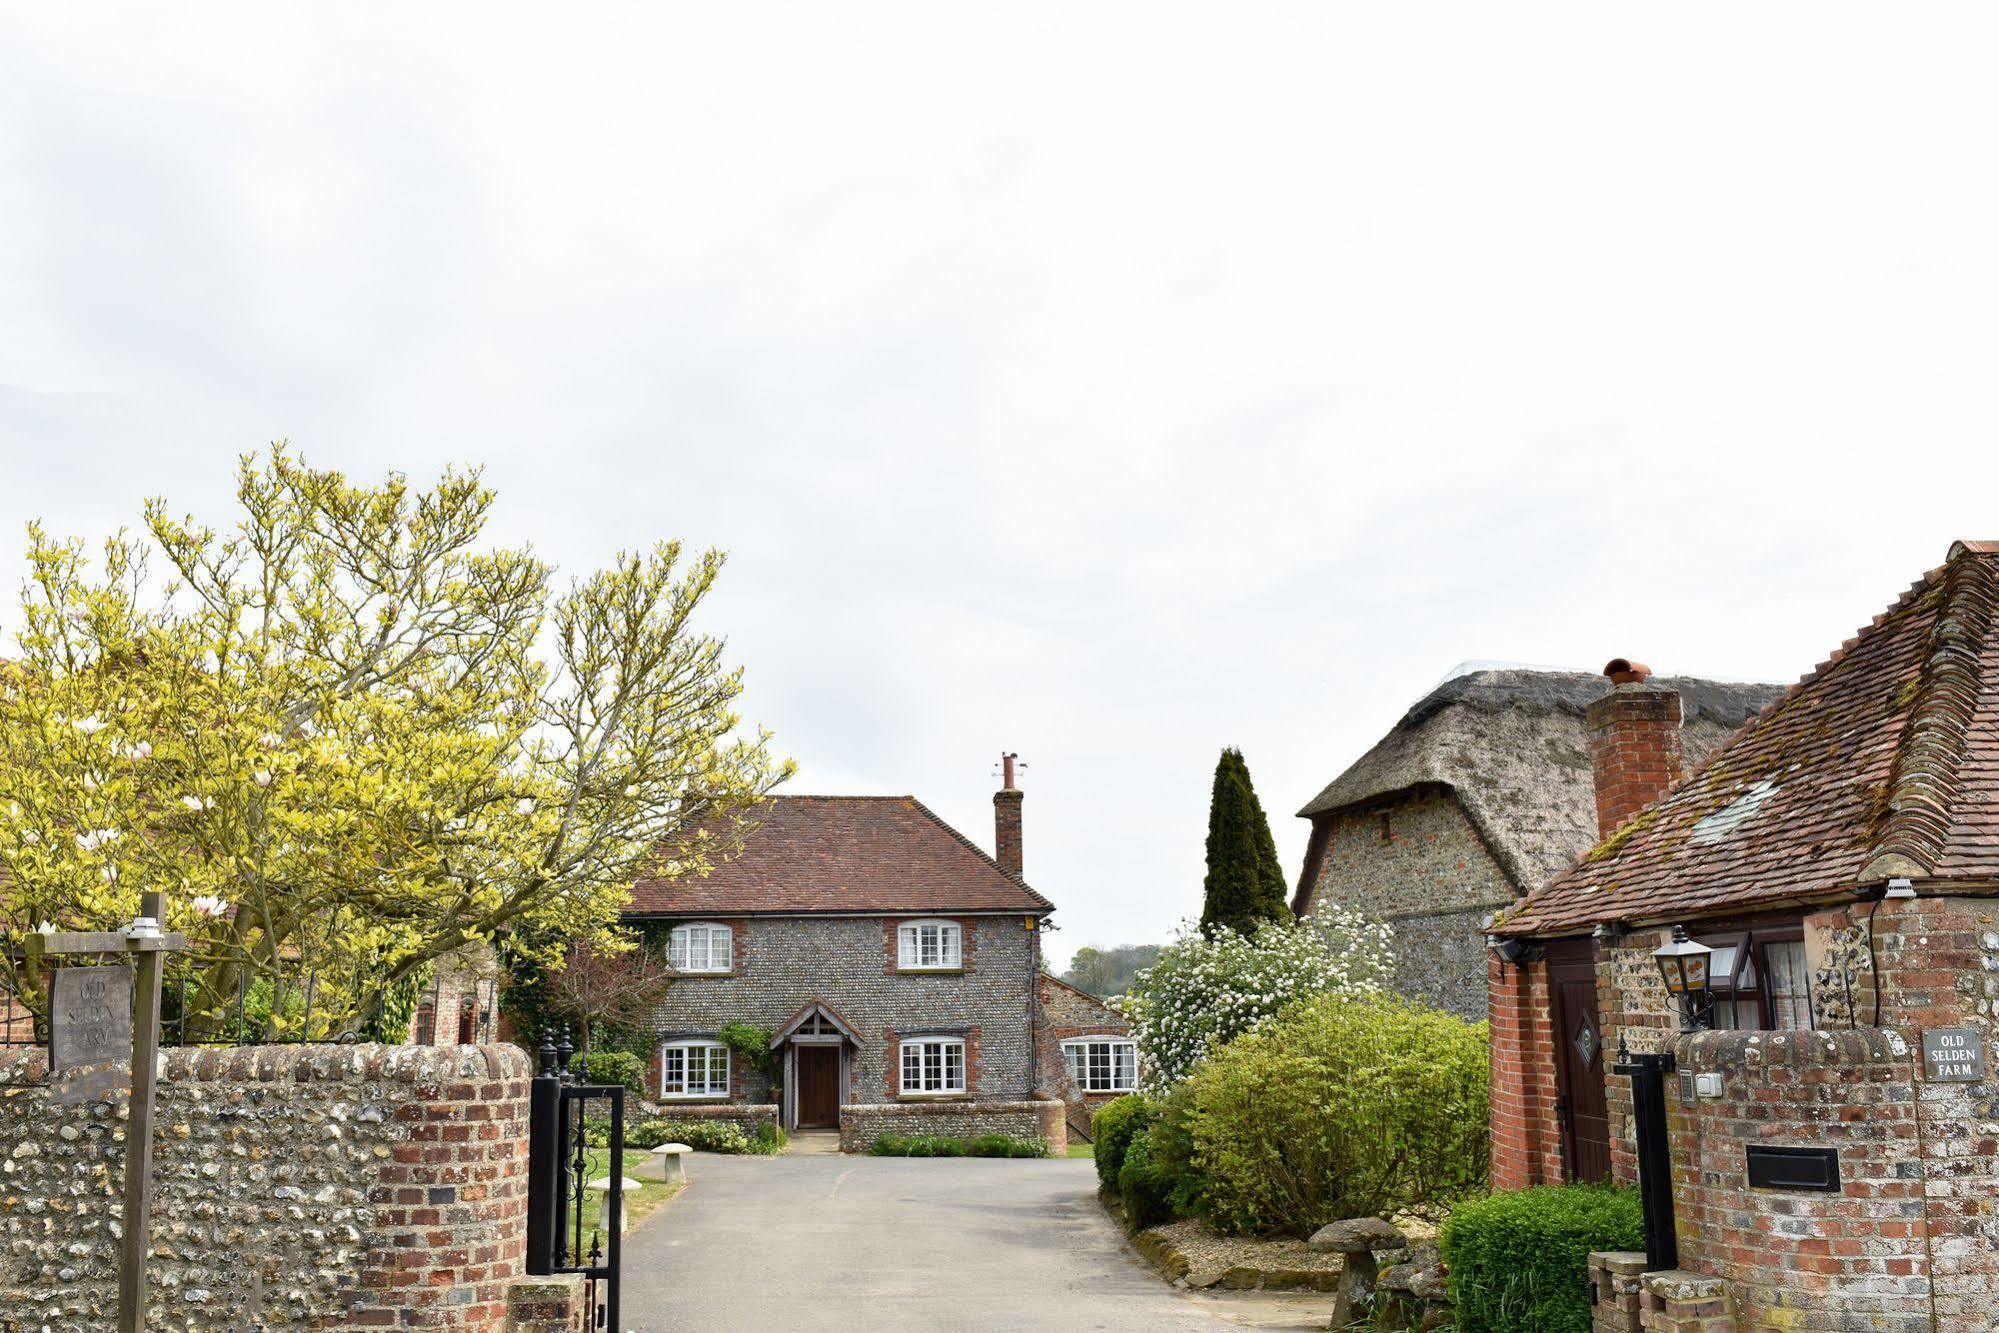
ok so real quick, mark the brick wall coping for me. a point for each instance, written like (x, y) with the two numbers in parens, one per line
(1855, 1048)
(708, 1110)
(959, 1108)
(424, 1066)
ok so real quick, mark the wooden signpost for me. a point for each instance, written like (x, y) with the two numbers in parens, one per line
(90, 1009)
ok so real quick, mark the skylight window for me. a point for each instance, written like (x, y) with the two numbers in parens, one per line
(1735, 814)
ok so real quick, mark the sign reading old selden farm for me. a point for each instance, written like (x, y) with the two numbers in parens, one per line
(91, 1017)
(1953, 1055)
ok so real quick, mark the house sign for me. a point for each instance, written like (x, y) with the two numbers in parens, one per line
(1953, 1055)
(91, 1017)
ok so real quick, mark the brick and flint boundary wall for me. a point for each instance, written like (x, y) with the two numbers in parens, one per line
(749, 1118)
(861, 1125)
(295, 1187)
(1911, 1241)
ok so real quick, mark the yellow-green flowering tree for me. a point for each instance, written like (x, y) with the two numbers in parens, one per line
(346, 736)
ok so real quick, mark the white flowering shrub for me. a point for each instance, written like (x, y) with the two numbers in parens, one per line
(1203, 992)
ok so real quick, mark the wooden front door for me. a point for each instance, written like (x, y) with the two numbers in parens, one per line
(818, 1087)
(1580, 1060)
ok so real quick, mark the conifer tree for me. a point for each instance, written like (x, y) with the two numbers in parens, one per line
(1245, 884)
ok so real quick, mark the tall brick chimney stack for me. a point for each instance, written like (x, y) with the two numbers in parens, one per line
(1006, 820)
(1634, 743)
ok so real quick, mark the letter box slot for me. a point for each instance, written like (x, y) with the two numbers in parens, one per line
(1814, 1169)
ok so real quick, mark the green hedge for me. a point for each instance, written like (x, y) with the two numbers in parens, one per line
(613, 1067)
(700, 1135)
(942, 1145)
(1111, 1129)
(1144, 1187)
(1339, 1108)
(1521, 1260)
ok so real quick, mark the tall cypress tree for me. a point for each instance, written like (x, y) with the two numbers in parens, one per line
(1274, 893)
(1245, 884)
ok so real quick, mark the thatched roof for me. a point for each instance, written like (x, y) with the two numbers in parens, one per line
(1510, 744)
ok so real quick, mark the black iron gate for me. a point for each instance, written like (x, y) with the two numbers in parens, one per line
(568, 1231)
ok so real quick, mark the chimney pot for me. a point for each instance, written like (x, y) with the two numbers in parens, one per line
(1624, 671)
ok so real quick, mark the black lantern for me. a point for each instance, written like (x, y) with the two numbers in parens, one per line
(1684, 964)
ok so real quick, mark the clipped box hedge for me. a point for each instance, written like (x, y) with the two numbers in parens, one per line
(1521, 1260)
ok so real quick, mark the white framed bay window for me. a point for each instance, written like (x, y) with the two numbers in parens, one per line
(1102, 1064)
(933, 1066)
(701, 947)
(930, 946)
(693, 1069)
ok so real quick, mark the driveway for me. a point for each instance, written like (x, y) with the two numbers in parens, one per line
(889, 1243)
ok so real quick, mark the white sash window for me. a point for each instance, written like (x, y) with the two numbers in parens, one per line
(935, 946)
(694, 1069)
(701, 947)
(1102, 1064)
(933, 1066)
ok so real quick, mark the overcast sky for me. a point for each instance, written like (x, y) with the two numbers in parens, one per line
(1111, 383)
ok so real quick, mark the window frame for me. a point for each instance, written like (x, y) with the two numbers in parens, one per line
(1751, 940)
(952, 960)
(1113, 1041)
(728, 933)
(686, 1045)
(944, 1042)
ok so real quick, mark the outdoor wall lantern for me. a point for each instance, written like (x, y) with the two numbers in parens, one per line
(1683, 963)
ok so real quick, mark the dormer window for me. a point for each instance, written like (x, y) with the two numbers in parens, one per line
(701, 947)
(930, 946)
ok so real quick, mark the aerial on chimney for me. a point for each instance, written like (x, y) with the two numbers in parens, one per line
(1006, 819)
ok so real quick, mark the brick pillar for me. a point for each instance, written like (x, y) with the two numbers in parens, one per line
(1675, 1302)
(1526, 1137)
(1634, 742)
(1006, 822)
(1615, 1291)
(1052, 1117)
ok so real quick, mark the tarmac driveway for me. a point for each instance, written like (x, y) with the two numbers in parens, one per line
(831, 1242)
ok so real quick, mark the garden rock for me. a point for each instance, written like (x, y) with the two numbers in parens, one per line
(1359, 1235)
(1357, 1238)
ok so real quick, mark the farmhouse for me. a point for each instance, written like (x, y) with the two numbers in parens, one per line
(898, 967)
(1481, 793)
(1830, 1115)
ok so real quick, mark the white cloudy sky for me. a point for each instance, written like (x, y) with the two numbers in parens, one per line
(1108, 382)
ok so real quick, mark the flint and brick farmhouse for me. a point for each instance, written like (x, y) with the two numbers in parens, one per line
(1481, 793)
(896, 964)
(1834, 1140)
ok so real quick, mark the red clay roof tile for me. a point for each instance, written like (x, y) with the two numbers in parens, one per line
(1883, 762)
(808, 854)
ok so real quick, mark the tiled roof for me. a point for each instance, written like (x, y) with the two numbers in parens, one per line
(1882, 763)
(844, 854)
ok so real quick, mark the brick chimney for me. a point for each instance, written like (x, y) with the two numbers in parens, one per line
(1634, 743)
(1006, 820)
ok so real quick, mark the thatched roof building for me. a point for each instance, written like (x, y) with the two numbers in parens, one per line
(1480, 794)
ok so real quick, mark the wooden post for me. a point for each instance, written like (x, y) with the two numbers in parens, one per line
(145, 943)
(146, 948)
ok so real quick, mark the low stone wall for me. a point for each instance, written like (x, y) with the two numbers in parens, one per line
(295, 1188)
(861, 1125)
(748, 1117)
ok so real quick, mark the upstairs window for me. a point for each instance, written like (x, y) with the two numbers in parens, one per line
(930, 946)
(1102, 1064)
(694, 1069)
(702, 947)
(933, 1066)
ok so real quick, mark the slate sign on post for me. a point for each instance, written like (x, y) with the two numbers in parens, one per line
(91, 1017)
(1953, 1055)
